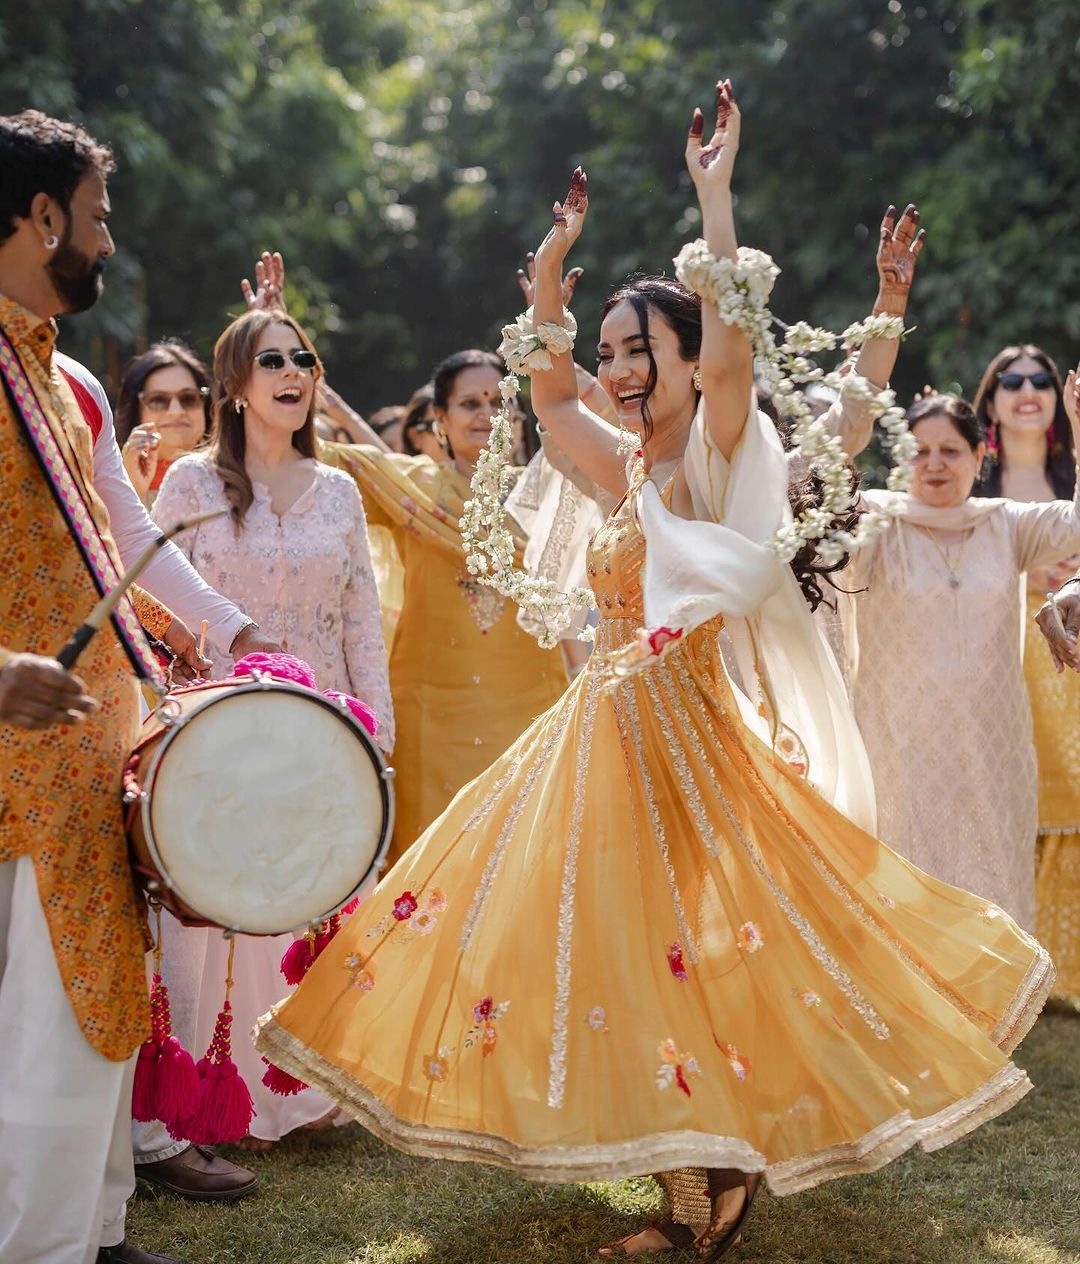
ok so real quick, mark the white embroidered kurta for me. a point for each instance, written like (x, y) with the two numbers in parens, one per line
(940, 696)
(306, 578)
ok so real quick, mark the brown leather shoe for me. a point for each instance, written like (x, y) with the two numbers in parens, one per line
(128, 1253)
(201, 1175)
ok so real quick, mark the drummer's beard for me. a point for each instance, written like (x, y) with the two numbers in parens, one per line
(76, 278)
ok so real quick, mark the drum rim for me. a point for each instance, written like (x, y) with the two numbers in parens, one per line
(170, 729)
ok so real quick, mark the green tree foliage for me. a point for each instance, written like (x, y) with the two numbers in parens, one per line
(404, 155)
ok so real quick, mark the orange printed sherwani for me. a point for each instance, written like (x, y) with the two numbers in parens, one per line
(60, 788)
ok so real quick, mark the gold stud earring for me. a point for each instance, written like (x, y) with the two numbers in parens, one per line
(697, 380)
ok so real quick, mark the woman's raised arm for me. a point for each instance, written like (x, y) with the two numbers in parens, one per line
(591, 442)
(727, 358)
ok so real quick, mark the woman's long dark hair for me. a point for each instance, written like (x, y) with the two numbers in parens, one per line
(681, 308)
(168, 354)
(234, 356)
(1060, 457)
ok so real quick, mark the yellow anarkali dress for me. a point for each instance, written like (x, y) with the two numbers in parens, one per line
(641, 941)
(466, 680)
(1055, 710)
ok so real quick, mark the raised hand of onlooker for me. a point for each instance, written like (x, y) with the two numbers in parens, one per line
(269, 291)
(140, 454)
(899, 244)
(526, 278)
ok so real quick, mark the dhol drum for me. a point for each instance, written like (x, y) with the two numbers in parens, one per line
(256, 805)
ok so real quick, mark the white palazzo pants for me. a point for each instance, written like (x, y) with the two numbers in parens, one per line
(65, 1139)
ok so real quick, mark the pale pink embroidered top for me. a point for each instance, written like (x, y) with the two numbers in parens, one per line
(305, 577)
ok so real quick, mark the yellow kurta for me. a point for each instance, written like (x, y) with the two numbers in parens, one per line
(1055, 710)
(466, 680)
(60, 788)
(641, 941)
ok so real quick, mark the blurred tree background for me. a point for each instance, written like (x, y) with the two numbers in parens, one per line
(403, 154)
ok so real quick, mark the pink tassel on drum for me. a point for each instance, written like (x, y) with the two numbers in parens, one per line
(281, 1082)
(166, 1084)
(225, 1108)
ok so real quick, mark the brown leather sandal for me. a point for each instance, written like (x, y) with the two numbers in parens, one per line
(674, 1233)
(719, 1238)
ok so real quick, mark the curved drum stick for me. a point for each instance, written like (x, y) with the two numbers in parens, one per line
(99, 616)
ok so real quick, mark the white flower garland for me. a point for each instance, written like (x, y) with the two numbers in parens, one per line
(528, 348)
(488, 544)
(740, 288)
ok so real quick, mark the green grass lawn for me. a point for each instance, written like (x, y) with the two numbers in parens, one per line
(1010, 1194)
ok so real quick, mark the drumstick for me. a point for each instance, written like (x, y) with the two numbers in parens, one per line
(99, 616)
(204, 627)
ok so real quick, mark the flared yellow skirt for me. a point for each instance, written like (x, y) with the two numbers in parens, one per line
(641, 941)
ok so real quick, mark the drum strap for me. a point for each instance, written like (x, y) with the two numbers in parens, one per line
(65, 490)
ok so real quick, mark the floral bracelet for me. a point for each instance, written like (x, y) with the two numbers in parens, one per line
(527, 347)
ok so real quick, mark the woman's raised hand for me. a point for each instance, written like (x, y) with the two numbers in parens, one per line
(1071, 400)
(898, 248)
(140, 454)
(568, 219)
(526, 278)
(269, 291)
(711, 165)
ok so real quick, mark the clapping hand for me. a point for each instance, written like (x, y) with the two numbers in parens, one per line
(140, 455)
(269, 291)
(526, 278)
(898, 249)
(711, 165)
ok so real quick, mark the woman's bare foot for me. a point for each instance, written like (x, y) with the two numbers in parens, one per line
(324, 1121)
(254, 1145)
(646, 1242)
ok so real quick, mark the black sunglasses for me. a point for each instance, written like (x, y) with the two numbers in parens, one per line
(274, 360)
(1042, 381)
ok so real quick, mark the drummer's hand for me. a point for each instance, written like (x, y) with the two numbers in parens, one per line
(251, 640)
(1062, 644)
(188, 663)
(37, 692)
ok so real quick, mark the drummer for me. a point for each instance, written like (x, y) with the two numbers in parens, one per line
(73, 1005)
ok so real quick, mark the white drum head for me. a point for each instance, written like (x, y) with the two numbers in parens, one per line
(266, 810)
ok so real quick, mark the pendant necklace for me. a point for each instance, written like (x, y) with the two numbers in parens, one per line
(950, 566)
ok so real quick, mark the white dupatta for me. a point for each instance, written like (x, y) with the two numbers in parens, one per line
(787, 682)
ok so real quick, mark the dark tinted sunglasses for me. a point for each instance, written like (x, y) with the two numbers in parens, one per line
(1014, 381)
(274, 360)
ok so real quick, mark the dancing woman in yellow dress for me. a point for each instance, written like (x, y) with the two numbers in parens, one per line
(642, 941)
(466, 680)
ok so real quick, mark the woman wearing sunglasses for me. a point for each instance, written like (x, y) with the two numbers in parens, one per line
(293, 546)
(1021, 402)
(162, 412)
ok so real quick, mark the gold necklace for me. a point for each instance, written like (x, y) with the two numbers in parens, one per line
(953, 569)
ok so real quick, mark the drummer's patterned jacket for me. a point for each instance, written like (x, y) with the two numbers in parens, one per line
(60, 788)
